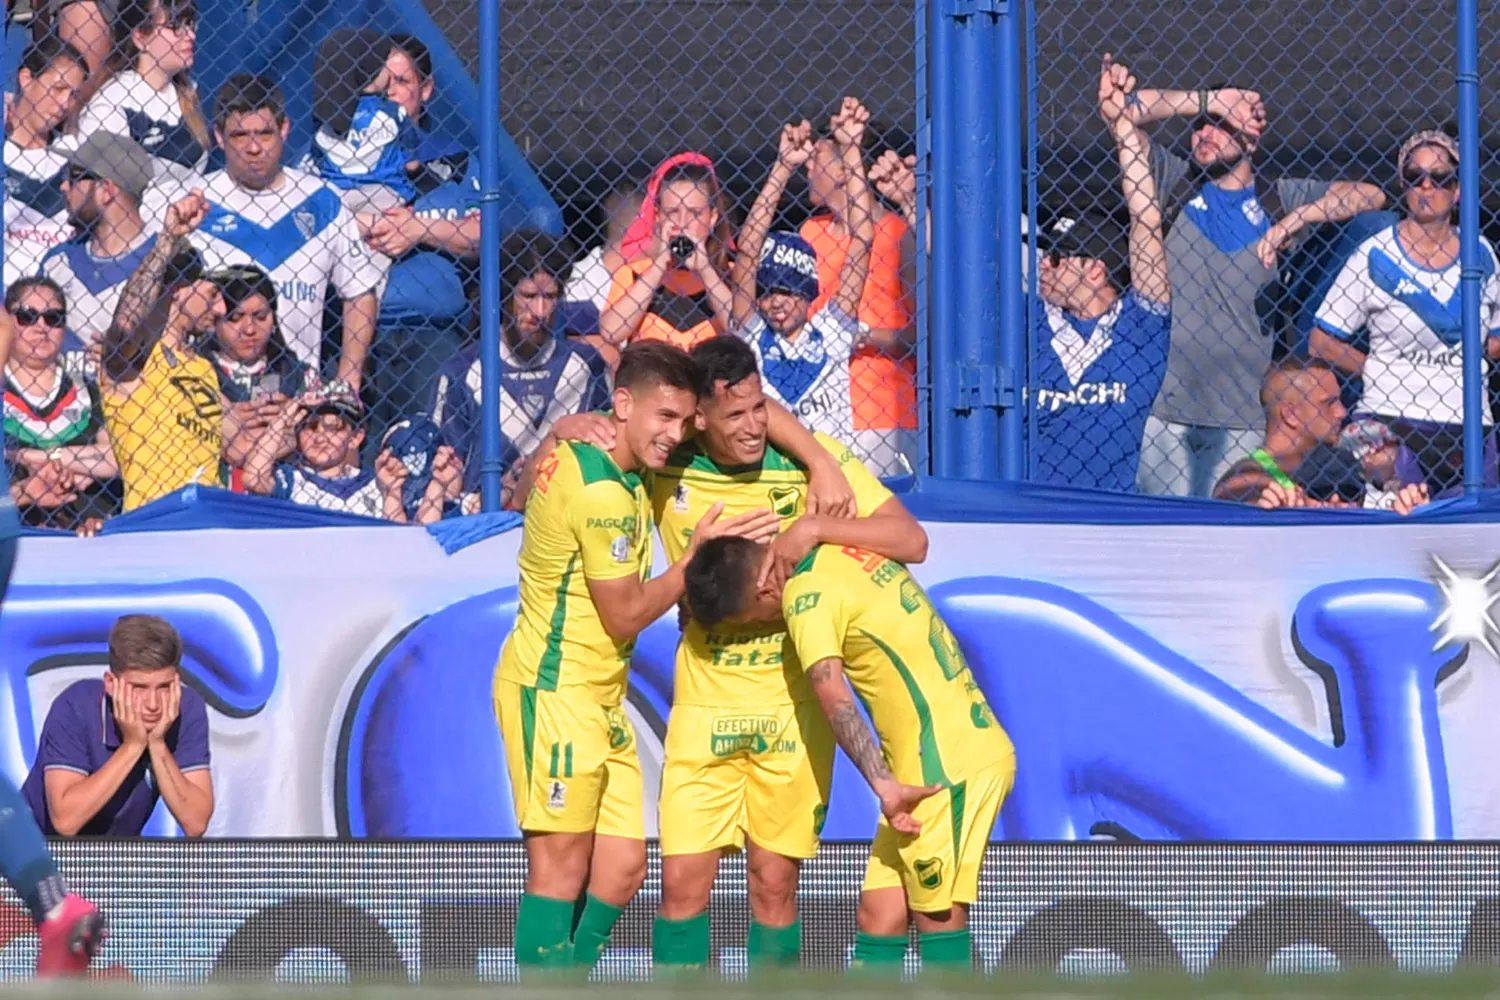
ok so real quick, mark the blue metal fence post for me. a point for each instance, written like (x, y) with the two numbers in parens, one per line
(489, 253)
(968, 384)
(1471, 274)
(1010, 206)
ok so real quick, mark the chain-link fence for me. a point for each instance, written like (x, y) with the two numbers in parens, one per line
(242, 238)
(1295, 334)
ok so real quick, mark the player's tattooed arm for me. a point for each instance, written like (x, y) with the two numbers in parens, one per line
(897, 799)
(849, 726)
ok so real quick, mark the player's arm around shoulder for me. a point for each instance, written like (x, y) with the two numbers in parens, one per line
(592, 428)
(828, 488)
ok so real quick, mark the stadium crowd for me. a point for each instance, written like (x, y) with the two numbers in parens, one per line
(197, 305)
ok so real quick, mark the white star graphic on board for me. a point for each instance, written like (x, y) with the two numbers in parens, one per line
(1467, 607)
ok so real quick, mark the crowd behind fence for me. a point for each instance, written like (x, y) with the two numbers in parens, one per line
(1242, 277)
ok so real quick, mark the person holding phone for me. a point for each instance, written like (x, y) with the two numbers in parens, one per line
(674, 289)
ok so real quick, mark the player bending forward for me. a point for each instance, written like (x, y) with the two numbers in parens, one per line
(586, 592)
(942, 765)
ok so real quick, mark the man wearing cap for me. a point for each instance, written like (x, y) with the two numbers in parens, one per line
(102, 184)
(1100, 342)
(324, 469)
(804, 362)
(1226, 227)
(162, 405)
(1398, 293)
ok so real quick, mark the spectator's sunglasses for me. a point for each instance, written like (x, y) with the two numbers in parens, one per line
(1443, 179)
(55, 318)
(77, 174)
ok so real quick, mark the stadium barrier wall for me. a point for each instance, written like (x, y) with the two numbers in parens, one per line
(1161, 681)
(328, 911)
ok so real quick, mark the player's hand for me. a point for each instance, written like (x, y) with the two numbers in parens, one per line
(1410, 497)
(173, 707)
(897, 802)
(829, 492)
(186, 214)
(756, 525)
(128, 718)
(787, 550)
(596, 429)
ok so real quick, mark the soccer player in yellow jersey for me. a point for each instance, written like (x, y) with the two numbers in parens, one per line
(942, 764)
(749, 759)
(586, 592)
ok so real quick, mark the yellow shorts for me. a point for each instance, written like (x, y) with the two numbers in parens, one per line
(572, 762)
(733, 774)
(940, 866)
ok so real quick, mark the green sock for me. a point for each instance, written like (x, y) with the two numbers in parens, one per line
(679, 944)
(879, 953)
(591, 936)
(946, 951)
(543, 933)
(774, 947)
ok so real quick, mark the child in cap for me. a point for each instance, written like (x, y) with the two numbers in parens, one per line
(320, 437)
(804, 359)
(364, 140)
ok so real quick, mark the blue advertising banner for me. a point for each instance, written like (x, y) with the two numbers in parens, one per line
(1306, 682)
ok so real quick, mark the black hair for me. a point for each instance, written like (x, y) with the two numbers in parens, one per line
(528, 252)
(47, 50)
(724, 358)
(245, 93)
(244, 281)
(185, 268)
(720, 579)
(649, 363)
(21, 286)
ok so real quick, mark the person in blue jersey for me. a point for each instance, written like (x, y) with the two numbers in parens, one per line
(151, 98)
(1400, 290)
(543, 376)
(1100, 352)
(36, 213)
(319, 436)
(804, 356)
(69, 927)
(364, 139)
(105, 178)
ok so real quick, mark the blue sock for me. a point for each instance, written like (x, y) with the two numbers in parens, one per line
(24, 859)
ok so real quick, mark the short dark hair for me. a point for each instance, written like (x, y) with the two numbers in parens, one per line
(527, 252)
(648, 363)
(245, 93)
(143, 642)
(720, 578)
(49, 49)
(724, 358)
(21, 286)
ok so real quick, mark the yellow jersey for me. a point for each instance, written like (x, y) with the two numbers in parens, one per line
(586, 519)
(169, 432)
(737, 666)
(934, 724)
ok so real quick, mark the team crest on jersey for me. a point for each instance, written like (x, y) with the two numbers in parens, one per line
(557, 795)
(619, 549)
(307, 224)
(784, 500)
(680, 498)
(929, 872)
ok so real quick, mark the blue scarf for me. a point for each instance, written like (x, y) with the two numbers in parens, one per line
(790, 376)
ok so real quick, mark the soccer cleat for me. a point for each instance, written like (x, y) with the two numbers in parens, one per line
(70, 937)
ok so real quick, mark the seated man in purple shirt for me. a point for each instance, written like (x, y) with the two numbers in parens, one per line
(110, 748)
